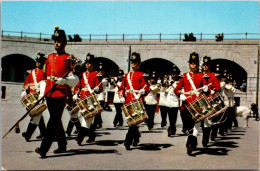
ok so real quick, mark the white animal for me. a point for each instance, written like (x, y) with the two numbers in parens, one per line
(243, 111)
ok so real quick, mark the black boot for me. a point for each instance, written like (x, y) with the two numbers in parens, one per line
(92, 134)
(214, 132)
(82, 133)
(30, 129)
(69, 127)
(42, 129)
(77, 125)
(205, 137)
(191, 144)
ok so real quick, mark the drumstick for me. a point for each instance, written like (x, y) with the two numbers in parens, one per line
(37, 102)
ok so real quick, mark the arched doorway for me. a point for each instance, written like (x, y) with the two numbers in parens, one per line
(233, 70)
(15, 66)
(160, 66)
(110, 67)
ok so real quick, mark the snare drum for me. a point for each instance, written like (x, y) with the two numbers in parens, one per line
(72, 109)
(89, 106)
(217, 103)
(29, 100)
(200, 108)
(135, 112)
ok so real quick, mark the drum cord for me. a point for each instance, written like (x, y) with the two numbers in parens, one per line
(218, 122)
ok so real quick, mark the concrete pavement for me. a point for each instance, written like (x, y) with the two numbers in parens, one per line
(156, 151)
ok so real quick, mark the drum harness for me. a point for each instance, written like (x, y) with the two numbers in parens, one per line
(196, 92)
(137, 96)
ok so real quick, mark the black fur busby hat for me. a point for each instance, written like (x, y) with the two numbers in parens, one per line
(206, 60)
(135, 57)
(90, 58)
(40, 57)
(59, 34)
(194, 57)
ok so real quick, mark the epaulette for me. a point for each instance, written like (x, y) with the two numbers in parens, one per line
(180, 76)
(29, 71)
(217, 75)
(206, 76)
(145, 75)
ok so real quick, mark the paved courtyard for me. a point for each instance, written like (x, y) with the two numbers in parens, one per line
(156, 151)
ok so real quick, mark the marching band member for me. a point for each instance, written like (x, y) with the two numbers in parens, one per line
(163, 100)
(33, 83)
(172, 103)
(89, 84)
(227, 92)
(116, 100)
(101, 96)
(212, 79)
(186, 89)
(74, 120)
(151, 100)
(60, 74)
(133, 87)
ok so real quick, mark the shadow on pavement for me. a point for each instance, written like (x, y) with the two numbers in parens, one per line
(230, 144)
(151, 131)
(73, 152)
(152, 147)
(210, 151)
(109, 142)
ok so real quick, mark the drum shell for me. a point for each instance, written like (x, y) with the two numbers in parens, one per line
(89, 106)
(135, 112)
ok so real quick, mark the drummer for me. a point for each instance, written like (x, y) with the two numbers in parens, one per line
(133, 85)
(211, 78)
(33, 83)
(89, 84)
(186, 89)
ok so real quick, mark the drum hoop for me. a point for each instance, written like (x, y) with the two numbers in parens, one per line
(43, 105)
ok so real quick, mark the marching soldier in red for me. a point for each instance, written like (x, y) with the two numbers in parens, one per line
(211, 78)
(89, 84)
(133, 87)
(59, 73)
(187, 90)
(34, 84)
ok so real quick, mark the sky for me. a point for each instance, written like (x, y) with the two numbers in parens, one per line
(131, 17)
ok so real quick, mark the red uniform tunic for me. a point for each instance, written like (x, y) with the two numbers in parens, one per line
(184, 83)
(56, 66)
(215, 82)
(138, 82)
(93, 81)
(29, 83)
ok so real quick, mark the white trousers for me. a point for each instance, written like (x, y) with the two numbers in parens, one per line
(196, 128)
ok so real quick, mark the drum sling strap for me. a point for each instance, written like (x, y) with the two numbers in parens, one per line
(87, 84)
(192, 84)
(34, 78)
(131, 86)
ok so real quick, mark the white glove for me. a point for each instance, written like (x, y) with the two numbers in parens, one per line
(75, 97)
(96, 89)
(61, 81)
(183, 97)
(142, 91)
(23, 93)
(212, 92)
(122, 100)
(205, 88)
(104, 80)
(40, 96)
